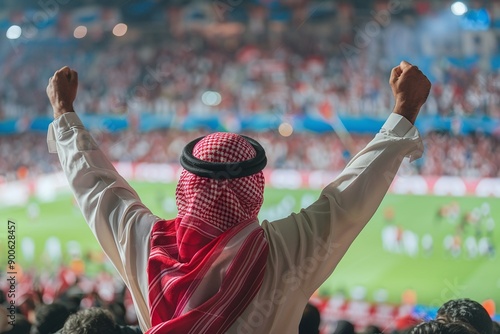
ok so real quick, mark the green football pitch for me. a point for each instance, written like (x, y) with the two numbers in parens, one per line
(417, 258)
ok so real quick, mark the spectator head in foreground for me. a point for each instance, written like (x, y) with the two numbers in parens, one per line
(344, 327)
(4, 319)
(309, 324)
(21, 325)
(496, 327)
(91, 321)
(372, 329)
(439, 327)
(467, 311)
(50, 318)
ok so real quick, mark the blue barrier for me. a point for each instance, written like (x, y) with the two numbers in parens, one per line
(260, 122)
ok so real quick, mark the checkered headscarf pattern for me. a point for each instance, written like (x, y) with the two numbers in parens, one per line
(221, 203)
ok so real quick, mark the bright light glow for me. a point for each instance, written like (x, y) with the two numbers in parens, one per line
(211, 98)
(120, 29)
(285, 129)
(14, 32)
(80, 32)
(459, 8)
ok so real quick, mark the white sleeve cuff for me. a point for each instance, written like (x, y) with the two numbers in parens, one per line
(60, 125)
(397, 125)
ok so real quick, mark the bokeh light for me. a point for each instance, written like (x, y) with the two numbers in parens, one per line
(459, 8)
(80, 32)
(285, 129)
(120, 29)
(211, 98)
(14, 32)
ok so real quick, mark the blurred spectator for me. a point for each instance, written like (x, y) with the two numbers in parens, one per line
(496, 327)
(21, 326)
(50, 318)
(95, 321)
(91, 321)
(311, 319)
(437, 327)
(344, 327)
(4, 320)
(372, 330)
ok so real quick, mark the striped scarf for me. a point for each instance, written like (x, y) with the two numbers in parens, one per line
(206, 265)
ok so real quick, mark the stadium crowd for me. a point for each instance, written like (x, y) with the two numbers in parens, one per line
(154, 77)
(45, 302)
(256, 71)
(475, 156)
(259, 68)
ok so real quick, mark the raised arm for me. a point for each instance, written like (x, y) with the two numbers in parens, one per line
(112, 209)
(314, 240)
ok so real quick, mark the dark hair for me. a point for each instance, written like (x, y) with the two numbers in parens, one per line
(72, 303)
(467, 311)
(372, 330)
(309, 323)
(496, 327)
(91, 321)
(439, 327)
(3, 298)
(119, 312)
(344, 327)
(50, 318)
(22, 325)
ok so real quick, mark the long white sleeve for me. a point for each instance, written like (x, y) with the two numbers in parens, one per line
(306, 247)
(112, 209)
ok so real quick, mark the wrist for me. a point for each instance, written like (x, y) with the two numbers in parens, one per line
(407, 111)
(58, 112)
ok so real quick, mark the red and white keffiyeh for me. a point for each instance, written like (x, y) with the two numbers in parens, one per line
(206, 265)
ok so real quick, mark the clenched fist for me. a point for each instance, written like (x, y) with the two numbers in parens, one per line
(61, 90)
(410, 88)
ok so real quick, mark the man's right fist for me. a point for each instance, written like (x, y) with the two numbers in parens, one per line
(61, 90)
(410, 88)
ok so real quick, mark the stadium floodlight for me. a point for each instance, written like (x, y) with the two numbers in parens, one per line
(120, 29)
(14, 32)
(80, 32)
(459, 8)
(211, 98)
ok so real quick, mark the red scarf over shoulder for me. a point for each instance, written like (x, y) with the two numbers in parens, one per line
(206, 265)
